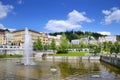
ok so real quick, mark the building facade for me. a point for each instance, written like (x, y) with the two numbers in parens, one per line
(5, 37)
(107, 39)
(56, 38)
(19, 35)
(75, 41)
(87, 40)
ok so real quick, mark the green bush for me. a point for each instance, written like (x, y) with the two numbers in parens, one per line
(11, 55)
(71, 54)
(2, 56)
(62, 51)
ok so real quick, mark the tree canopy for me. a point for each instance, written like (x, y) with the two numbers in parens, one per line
(38, 45)
(53, 44)
(64, 44)
(77, 34)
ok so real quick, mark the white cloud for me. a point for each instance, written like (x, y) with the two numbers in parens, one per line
(104, 33)
(106, 12)
(76, 16)
(11, 30)
(111, 16)
(5, 9)
(74, 21)
(3, 27)
(114, 8)
(20, 1)
(61, 25)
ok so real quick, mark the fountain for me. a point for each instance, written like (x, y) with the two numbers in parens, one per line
(28, 48)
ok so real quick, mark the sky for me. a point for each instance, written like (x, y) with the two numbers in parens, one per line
(102, 16)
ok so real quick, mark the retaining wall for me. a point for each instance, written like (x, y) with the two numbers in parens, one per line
(74, 57)
(111, 60)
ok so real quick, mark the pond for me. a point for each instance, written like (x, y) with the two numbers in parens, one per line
(12, 69)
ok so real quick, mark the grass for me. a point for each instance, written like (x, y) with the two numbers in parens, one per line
(10, 56)
(71, 54)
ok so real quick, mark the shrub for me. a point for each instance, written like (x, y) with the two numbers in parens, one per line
(2, 55)
(62, 51)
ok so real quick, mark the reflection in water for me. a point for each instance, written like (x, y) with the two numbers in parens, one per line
(81, 69)
(58, 70)
(110, 69)
(26, 73)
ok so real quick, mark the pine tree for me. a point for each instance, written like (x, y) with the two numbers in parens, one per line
(64, 45)
(38, 45)
(53, 44)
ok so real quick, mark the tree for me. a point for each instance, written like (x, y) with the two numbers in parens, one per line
(117, 47)
(91, 48)
(118, 37)
(97, 50)
(110, 44)
(106, 46)
(77, 34)
(112, 49)
(46, 47)
(53, 45)
(64, 44)
(94, 48)
(38, 45)
(83, 45)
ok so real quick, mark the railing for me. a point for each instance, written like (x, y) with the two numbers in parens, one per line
(112, 55)
(45, 52)
(11, 48)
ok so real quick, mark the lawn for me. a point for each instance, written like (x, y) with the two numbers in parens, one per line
(10, 56)
(71, 54)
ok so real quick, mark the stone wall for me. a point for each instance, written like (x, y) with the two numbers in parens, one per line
(115, 61)
(11, 52)
(73, 58)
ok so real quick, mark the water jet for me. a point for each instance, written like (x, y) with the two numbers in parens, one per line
(28, 48)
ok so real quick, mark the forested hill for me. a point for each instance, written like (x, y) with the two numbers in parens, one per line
(77, 34)
(118, 37)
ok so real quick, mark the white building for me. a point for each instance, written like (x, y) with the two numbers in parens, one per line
(75, 41)
(78, 41)
(56, 38)
(107, 39)
(86, 41)
(92, 40)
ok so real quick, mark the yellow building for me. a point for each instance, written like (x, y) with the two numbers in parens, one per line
(4, 40)
(18, 37)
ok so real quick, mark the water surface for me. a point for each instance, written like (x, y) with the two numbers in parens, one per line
(12, 69)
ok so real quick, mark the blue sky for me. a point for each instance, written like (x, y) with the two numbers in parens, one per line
(101, 16)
